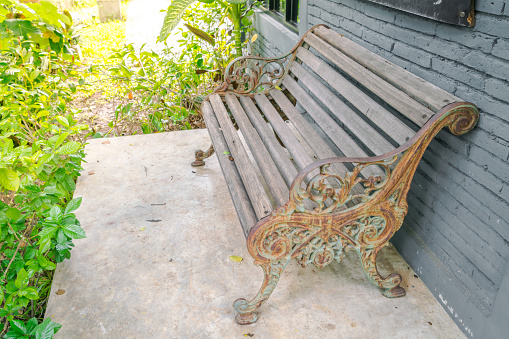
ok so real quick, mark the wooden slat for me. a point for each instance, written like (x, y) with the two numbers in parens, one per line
(277, 153)
(398, 99)
(308, 133)
(362, 130)
(237, 190)
(254, 188)
(268, 168)
(382, 118)
(338, 136)
(426, 93)
(299, 154)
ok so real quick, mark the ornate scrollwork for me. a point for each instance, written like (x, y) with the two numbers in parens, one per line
(319, 189)
(247, 75)
(464, 120)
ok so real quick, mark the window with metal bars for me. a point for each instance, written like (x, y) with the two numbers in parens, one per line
(288, 10)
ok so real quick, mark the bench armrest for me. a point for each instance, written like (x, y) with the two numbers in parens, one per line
(353, 186)
(380, 174)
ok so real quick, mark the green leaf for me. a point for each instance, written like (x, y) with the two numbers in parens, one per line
(47, 232)
(237, 2)
(201, 34)
(9, 179)
(17, 326)
(46, 329)
(173, 16)
(73, 205)
(13, 213)
(74, 231)
(29, 292)
(21, 279)
(69, 147)
(45, 243)
(31, 324)
(55, 213)
(63, 121)
(20, 27)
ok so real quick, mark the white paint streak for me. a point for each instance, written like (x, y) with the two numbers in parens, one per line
(442, 298)
(438, 2)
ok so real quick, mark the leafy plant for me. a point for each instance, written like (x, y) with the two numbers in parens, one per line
(41, 150)
(232, 9)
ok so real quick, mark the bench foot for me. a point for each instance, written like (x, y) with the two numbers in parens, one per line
(200, 155)
(394, 292)
(272, 271)
(390, 284)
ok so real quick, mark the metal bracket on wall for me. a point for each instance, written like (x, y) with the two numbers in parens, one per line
(456, 12)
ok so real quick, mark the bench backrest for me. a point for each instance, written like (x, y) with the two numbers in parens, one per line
(377, 104)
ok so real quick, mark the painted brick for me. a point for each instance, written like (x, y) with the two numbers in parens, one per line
(491, 6)
(461, 267)
(459, 72)
(487, 160)
(493, 143)
(382, 14)
(343, 11)
(316, 11)
(352, 27)
(377, 39)
(421, 25)
(412, 54)
(435, 197)
(492, 25)
(467, 170)
(464, 37)
(435, 78)
(501, 49)
(473, 203)
(487, 63)
(330, 18)
(484, 101)
(325, 5)
(366, 21)
(493, 125)
(493, 201)
(498, 88)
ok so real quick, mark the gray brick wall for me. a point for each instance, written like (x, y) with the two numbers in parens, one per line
(456, 234)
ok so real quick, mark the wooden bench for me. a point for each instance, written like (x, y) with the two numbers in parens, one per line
(333, 134)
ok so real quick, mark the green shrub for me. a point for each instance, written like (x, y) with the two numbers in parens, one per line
(40, 158)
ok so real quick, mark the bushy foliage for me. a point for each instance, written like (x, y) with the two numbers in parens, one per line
(40, 159)
(165, 88)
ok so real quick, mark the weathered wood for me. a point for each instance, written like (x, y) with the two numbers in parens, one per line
(254, 188)
(308, 133)
(277, 153)
(393, 96)
(337, 134)
(268, 168)
(299, 154)
(382, 118)
(362, 130)
(232, 177)
(426, 93)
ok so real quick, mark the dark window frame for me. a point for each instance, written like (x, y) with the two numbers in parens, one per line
(290, 15)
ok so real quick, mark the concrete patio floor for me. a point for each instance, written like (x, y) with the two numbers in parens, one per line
(155, 263)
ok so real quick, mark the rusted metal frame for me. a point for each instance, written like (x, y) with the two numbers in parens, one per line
(322, 235)
(200, 156)
(245, 75)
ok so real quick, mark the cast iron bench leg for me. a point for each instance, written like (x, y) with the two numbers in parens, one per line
(200, 155)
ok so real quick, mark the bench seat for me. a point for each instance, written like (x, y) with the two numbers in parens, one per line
(318, 148)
